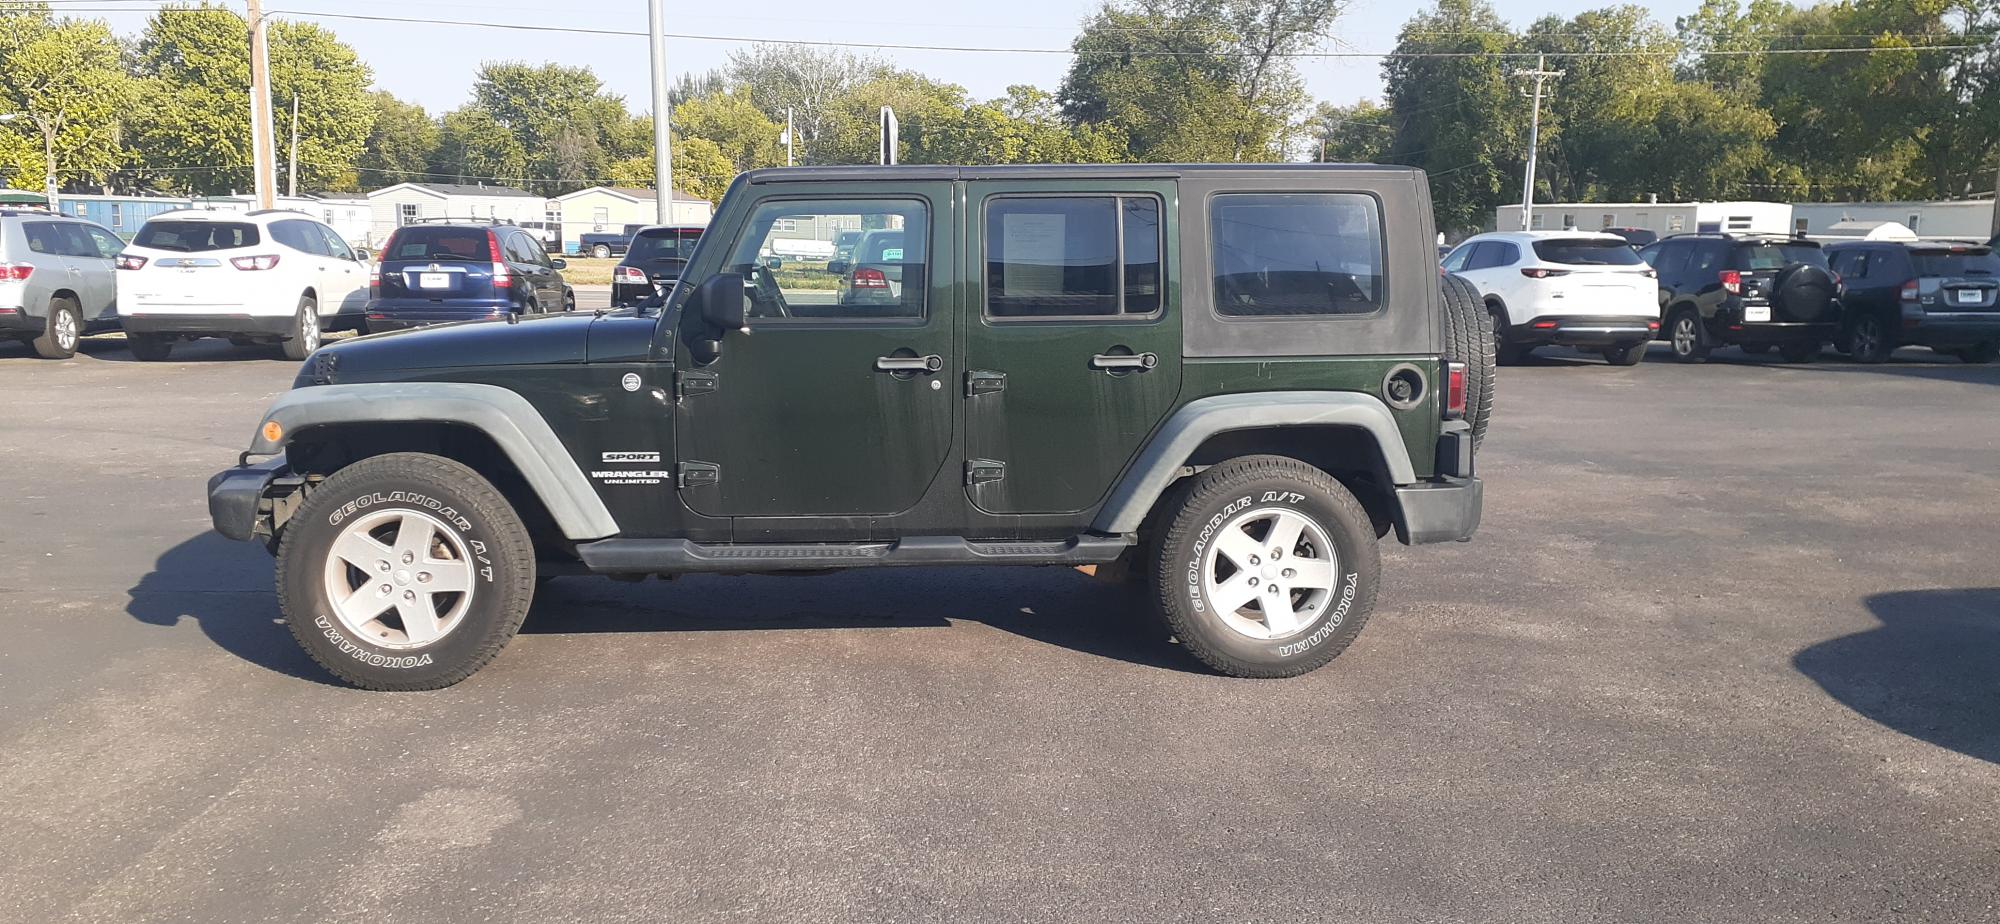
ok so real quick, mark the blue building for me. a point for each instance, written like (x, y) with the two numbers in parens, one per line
(122, 214)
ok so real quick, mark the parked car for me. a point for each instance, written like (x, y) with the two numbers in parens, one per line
(873, 274)
(1235, 429)
(658, 253)
(1940, 295)
(463, 271)
(1637, 237)
(843, 244)
(1750, 290)
(269, 276)
(57, 280)
(607, 244)
(1572, 288)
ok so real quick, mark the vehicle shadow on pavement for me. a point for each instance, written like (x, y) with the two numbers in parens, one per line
(1927, 672)
(1053, 606)
(204, 579)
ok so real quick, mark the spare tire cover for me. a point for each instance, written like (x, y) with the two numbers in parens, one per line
(1803, 292)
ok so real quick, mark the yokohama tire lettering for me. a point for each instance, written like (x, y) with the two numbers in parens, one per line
(370, 658)
(1332, 623)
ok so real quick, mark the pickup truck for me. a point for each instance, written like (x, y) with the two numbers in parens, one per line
(607, 244)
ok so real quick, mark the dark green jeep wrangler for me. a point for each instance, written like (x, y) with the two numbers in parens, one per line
(1225, 381)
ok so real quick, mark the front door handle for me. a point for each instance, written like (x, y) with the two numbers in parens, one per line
(1110, 361)
(931, 363)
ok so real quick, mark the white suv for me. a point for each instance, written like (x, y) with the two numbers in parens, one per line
(1574, 288)
(271, 276)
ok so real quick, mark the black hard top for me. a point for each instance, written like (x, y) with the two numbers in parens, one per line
(1052, 171)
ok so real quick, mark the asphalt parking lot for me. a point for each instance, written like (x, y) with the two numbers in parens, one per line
(1724, 650)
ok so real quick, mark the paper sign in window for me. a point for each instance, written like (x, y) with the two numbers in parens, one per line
(1032, 245)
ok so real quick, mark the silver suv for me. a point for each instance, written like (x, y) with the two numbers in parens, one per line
(57, 280)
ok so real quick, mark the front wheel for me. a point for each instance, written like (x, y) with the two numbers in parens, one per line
(1267, 567)
(405, 571)
(304, 337)
(1626, 354)
(569, 299)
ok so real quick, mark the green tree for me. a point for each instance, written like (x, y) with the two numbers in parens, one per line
(402, 144)
(474, 147)
(815, 84)
(700, 168)
(563, 129)
(743, 133)
(1457, 116)
(1024, 127)
(66, 80)
(1359, 133)
(1614, 61)
(195, 125)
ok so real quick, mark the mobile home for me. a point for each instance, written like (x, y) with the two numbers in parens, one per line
(1662, 218)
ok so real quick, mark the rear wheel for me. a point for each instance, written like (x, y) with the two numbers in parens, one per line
(1799, 351)
(1267, 567)
(304, 337)
(569, 299)
(1626, 354)
(1871, 341)
(412, 592)
(601, 251)
(61, 331)
(1688, 336)
(149, 348)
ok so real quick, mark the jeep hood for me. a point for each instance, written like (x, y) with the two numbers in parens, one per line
(551, 339)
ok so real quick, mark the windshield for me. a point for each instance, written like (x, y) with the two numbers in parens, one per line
(196, 236)
(439, 244)
(662, 244)
(1587, 252)
(1966, 263)
(1778, 256)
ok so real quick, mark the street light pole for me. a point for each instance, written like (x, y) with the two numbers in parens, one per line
(663, 110)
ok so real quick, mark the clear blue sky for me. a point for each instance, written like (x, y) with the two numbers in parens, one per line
(434, 64)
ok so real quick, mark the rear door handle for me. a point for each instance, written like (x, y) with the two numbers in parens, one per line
(931, 363)
(1124, 361)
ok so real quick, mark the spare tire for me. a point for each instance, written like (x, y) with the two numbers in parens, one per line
(1468, 339)
(1803, 292)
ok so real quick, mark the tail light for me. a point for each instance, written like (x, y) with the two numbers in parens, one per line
(1545, 325)
(1454, 391)
(1732, 282)
(870, 279)
(501, 278)
(375, 279)
(1536, 272)
(629, 275)
(131, 261)
(262, 261)
(15, 272)
(1909, 293)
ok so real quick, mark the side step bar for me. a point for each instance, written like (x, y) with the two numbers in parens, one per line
(681, 556)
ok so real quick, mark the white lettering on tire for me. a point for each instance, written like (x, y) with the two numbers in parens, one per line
(370, 658)
(1333, 621)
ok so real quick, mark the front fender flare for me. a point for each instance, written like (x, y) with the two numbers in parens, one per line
(504, 416)
(1198, 420)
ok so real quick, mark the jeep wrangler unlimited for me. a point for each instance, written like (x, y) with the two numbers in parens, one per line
(1226, 381)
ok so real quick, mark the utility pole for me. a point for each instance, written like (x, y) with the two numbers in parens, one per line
(663, 110)
(787, 138)
(1996, 201)
(263, 156)
(1540, 73)
(294, 171)
(48, 130)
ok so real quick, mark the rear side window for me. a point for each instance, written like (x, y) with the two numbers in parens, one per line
(197, 236)
(57, 238)
(418, 242)
(1295, 254)
(1968, 263)
(302, 236)
(1587, 252)
(1778, 256)
(1051, 257)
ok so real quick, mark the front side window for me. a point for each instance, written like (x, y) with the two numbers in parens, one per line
(1054, 257)
(334, 245)
(1455, 261)
(103, 243)
(795, 274)
(1295, 254)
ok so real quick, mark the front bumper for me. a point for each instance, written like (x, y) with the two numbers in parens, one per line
(1567, 330)
(1444, 509)
(207, 324)
(237, 504)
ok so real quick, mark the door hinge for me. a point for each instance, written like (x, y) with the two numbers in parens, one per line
(982, 471)
(696, 474)
(693, 382)
(981, 382)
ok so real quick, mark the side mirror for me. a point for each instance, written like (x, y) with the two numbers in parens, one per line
(362, 255)
(558, 263)
(838, 267)
(723, 302)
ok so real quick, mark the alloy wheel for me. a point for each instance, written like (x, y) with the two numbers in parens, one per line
(1270, 573)
(399, 578)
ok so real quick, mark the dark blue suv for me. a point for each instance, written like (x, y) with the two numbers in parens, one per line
(463, 271)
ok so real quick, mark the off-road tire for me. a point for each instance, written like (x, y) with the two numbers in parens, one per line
(1468, 339)
(1799, 351)
(55, 342)
(1205, 503)
(1696, 347)
(1627, 355)
(601, 251)
(149, 348)
(504, 576)
(305, 334)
